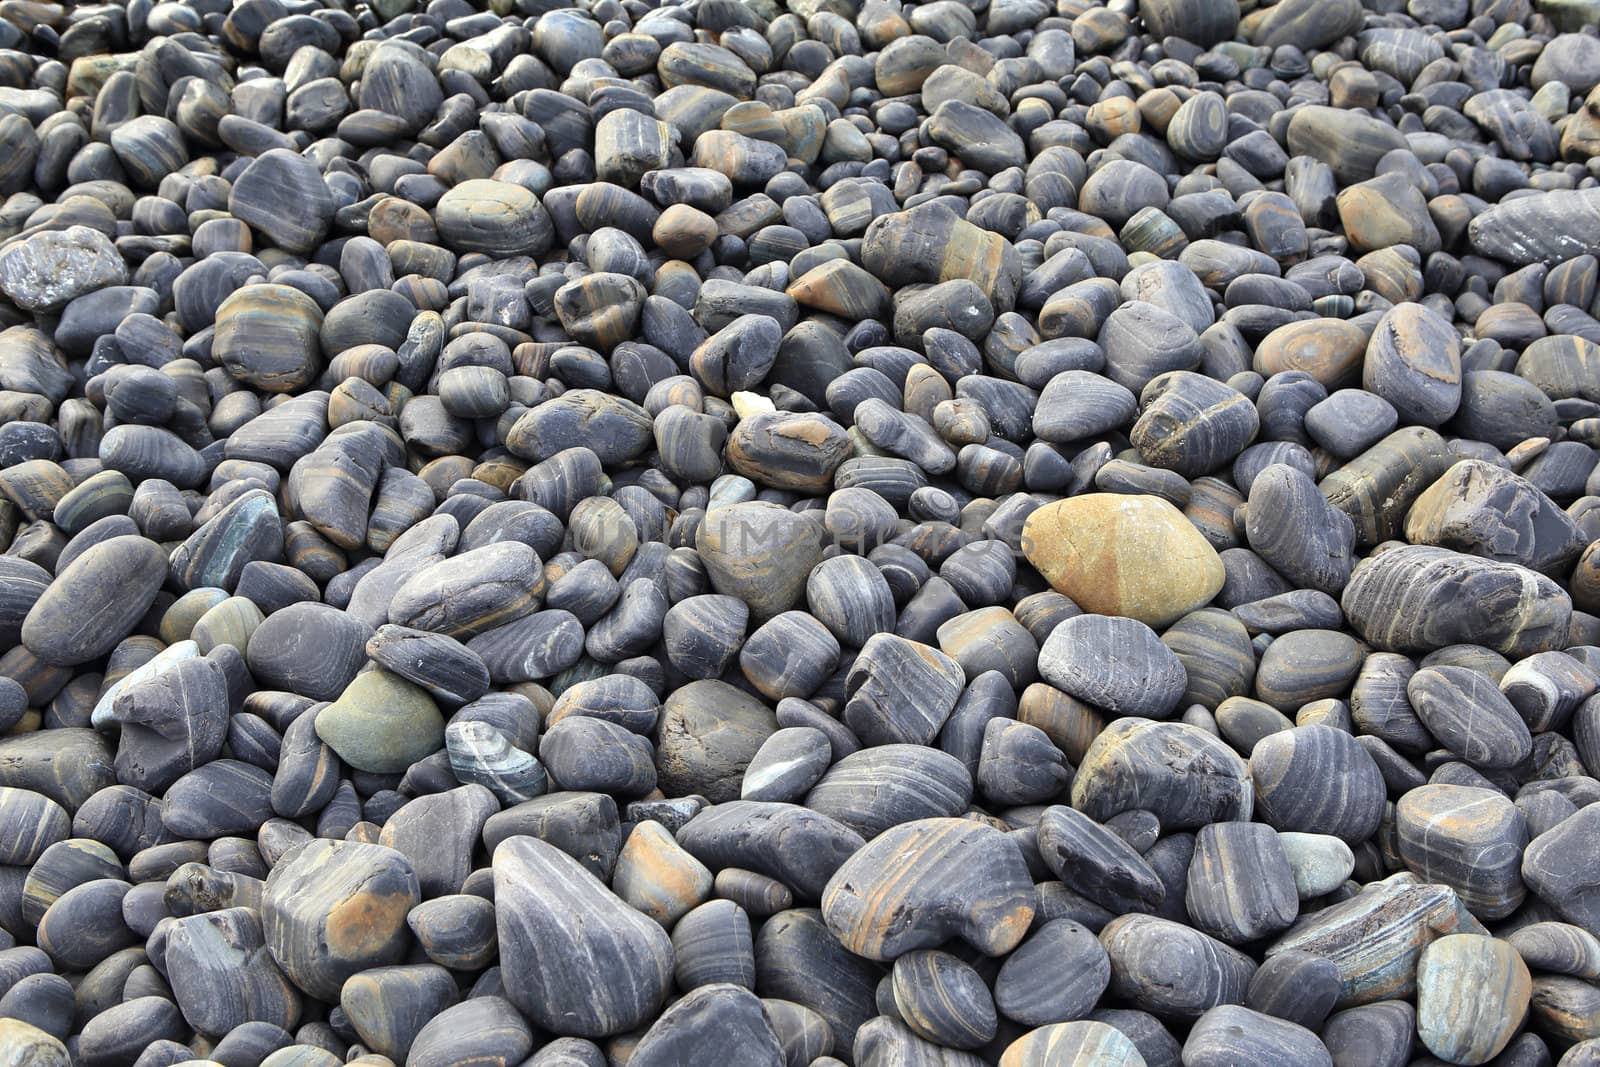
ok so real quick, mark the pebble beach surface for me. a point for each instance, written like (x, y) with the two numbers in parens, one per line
(800, 533)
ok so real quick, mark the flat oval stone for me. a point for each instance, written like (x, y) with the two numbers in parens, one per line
(943, 999)
(1469, 715)
(222, 974)
(574, 958)
(970, 882)
(1291, 525)
(1229, 1032)
(1170, 969)
(1316, 779)
(95, 602)
(1072, 1044)
(1506, 607)
(333, 908)
(1240, 885)
(1123, 555)
(1058, 974)
(1184, 776)
(1114, 663)
(1472, 995)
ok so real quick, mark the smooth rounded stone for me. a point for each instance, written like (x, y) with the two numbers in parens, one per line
(1472, 996)
(1294, 986)
(1558, 871)
(335, 908)
(1468, 714)
(1381, 1034)
(1240, 886)
(308, 648)
(65, 864)
(1079, 1043)
(480, 1031)
(1376, 936)
(222, 974)
(877, 788)
(1557, 947)
(706, 1024)
(381, 723)
(266, 336)
(1135, 556)
(760, 553)
(787, 765)
(1243, 722)
(494, 217)
(585, 753)
(1320, 863)
(799, 848)
(711, 944)
(1218, 659)
(388, 1006)
(1058, 974)
(1413, 361)
(171, 722)
(1095, 862)
(943, 999)
(1019, 764)
(1291, 525)
(1192, 424)
(703, 634)
(25, 1045)
(1184, 776)
(971, 882)
(574, 958)
(471, 593)
(480, 754)
(281, 195)
(709, 732)
(95, 601)
(1283, 766)
(1417, 598)
(84, 926)
(44, 1001)
(1172, 970)
(1228, 1033)
(447, 669)
(1076, 405)
(455, 931)
(437, 834)
(656, 877)
(1114, 663)
(30, 823)
(851, 597)
(1488, 511)
(990, 639)
(535, 646)
(1564, 1007)
(221, 798)
(900, 691)
(1302, 666)
(1546, 688)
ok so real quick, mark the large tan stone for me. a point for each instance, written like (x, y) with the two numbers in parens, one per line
(1123, 555)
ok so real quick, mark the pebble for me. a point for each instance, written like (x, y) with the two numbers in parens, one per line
(574, 958)
(939, 534)
(1114, 663)
(1133, 556)
(1472, 996)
